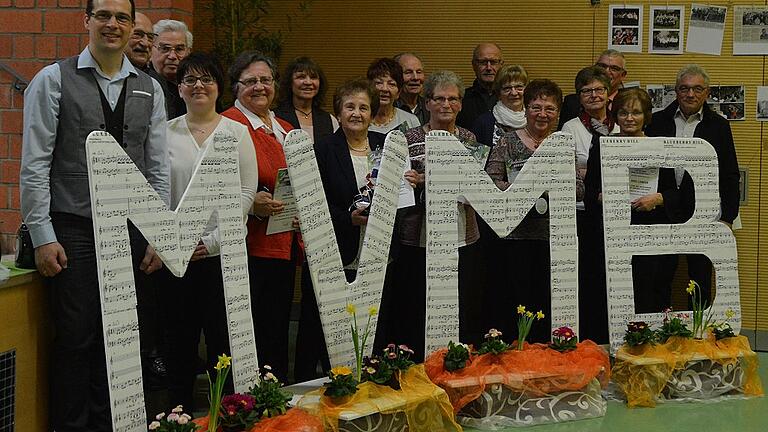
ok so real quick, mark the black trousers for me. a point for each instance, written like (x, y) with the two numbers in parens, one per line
(193, 303)
(310, 341)
(272, 282)
(404, 306)
(593, 295)
(78, 376)
(528, 284)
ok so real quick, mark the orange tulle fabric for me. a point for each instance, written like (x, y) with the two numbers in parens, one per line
(536, 369)
(294, 420)
(643, 371)
(426, 407)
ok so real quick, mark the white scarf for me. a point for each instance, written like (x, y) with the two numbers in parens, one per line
(507, 117)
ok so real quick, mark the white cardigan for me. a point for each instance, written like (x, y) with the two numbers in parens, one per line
(185, 153)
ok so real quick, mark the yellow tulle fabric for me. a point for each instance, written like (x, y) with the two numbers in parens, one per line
(426, 407)
(642, 381)
(537, 369)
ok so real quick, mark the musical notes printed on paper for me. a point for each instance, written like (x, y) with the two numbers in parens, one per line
(453, 175)
(702, 234)
(120, 192)
(332, 291)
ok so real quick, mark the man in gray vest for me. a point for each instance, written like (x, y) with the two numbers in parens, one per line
(96, 90)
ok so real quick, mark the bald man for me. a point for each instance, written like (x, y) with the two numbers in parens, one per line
(139, 48)
(478, 99)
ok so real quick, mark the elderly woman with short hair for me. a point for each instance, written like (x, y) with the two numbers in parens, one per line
(525, 252)
(593, 85)
(443, 91)
(302, 93)
(509, 113)
(387, 76)
(271, 258)
(651, 274)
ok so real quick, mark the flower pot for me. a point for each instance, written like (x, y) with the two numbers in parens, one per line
(537, 385)
(419, 406)
(686, 370)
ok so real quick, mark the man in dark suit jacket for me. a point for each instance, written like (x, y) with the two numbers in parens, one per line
(613, 63)
(690, 116)
(480, 98)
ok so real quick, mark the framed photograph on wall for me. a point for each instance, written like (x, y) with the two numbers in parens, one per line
(625, 28)
(665, 34)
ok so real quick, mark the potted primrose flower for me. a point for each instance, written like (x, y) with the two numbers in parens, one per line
(703, 362)
(522, 384)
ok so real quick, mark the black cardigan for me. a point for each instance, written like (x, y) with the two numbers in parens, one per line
(338, 176)
(322, 126)
(717, 132)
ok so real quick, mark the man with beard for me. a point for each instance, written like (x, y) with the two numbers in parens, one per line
(172, 44)
(413, 75)
(478, 99)
(612, 62)
(99, 89)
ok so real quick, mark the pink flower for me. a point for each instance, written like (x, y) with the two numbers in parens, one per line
(178, 410)
(160, 416)
(237, 402)
(405, 348)
(154, 425)
(184, 419)
(173, 417)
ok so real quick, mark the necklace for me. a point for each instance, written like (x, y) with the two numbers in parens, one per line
(388, 119)
(199, 131)
(536, 142)
(361, 149)
(305, 114)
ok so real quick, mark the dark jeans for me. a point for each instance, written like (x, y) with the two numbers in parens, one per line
(272, 282)
(79, 389)
(191, 303)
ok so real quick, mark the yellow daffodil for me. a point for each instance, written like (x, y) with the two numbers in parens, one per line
(372, 311)
(539, 315)
(691, 287)
(520, 309)
(341, 371)
(351, 308)
(224, 361)
(528, 314)
(730, 313)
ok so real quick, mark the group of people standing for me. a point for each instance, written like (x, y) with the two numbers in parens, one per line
(161, 103)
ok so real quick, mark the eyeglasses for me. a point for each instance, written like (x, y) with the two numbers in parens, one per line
(178, 49)
(191, 80)
(593, 91)
(624, 114)
(537, 109)
(508, 89)
(106, 16)
(453, 100)
(698, 90)
(250, 82)
(489, 62)
(613, 68)
(141, 34)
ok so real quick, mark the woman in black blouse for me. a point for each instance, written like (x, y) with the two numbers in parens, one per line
(302, 92)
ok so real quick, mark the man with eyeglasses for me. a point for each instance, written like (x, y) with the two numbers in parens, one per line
(139, 48)
(690, 116)
(172, 43)
(99, 89)
(613, 63)
(480, 98)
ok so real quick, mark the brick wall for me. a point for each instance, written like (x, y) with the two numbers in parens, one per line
(36, 33)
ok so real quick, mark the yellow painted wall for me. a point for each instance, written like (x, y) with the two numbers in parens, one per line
(26, 327)
(552, 39)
